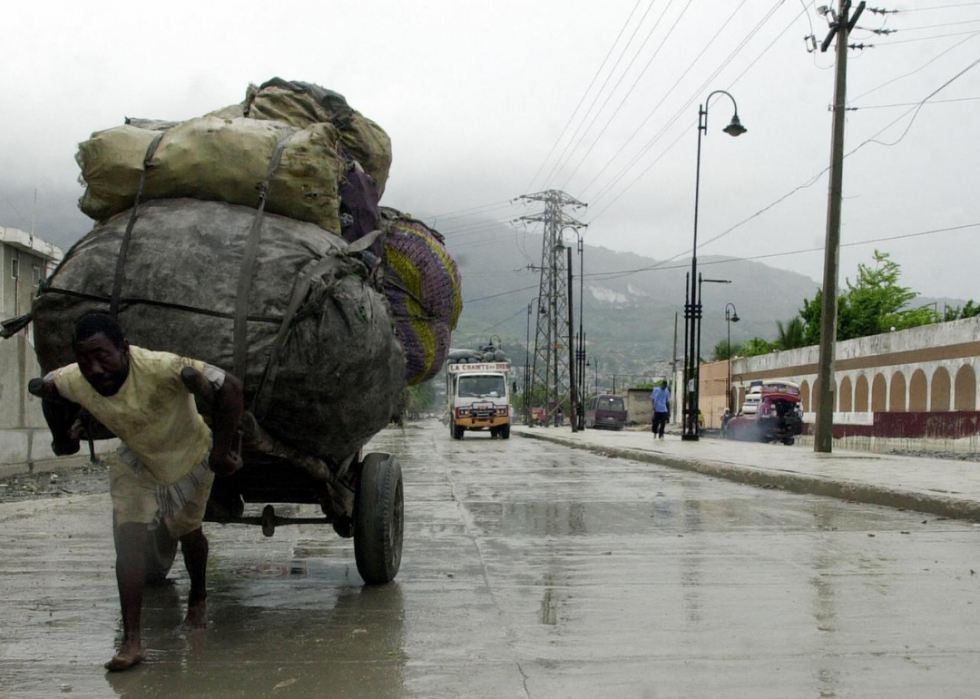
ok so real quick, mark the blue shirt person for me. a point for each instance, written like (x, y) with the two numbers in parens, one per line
(660, 397)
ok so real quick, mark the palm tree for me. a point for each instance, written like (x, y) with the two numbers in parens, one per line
(791, 334)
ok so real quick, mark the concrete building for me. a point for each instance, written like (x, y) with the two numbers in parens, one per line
(916, 387)
(24, 438)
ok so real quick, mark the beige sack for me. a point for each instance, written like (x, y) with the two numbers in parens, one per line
(308, 104)
(220, 160)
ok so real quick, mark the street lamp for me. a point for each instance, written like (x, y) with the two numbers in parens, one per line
(731, 316)
(692, 306)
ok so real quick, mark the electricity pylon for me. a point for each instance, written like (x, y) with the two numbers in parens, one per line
(551, 356)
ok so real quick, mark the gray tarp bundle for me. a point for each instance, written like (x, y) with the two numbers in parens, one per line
(338, 376)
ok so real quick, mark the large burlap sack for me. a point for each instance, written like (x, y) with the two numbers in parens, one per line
(302, 104)
(219, 160)
(341, 371)
(422, 284)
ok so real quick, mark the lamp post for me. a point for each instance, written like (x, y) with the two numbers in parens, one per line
(731, 316)
(692, 308)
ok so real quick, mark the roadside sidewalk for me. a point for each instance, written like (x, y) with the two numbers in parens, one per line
(941, 487)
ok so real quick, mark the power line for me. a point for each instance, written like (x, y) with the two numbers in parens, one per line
(472, 208)
(937, 7)
(936, 26)
(595, 99)
(662, 266)
(646, 148)
(663, 99)
(521, 310)
(927, 38)
(912, 104)
(872, 139)
(786, 253)
(584, 95)
(920, 68)
(629, 92)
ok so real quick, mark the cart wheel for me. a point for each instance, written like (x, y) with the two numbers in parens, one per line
(379, 519)
(504, 432)
(161, 549)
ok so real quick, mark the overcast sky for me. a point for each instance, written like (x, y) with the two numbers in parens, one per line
(476, 94)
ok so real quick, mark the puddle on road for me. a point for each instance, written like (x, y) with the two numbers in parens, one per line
(350, 647)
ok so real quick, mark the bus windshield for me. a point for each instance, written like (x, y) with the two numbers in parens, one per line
(482, 387)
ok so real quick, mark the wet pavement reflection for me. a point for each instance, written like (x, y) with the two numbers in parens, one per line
(529, 570)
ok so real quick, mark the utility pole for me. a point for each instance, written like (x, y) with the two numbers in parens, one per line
(673, 368)
(552, 368)
(841, 28)
(572, 386)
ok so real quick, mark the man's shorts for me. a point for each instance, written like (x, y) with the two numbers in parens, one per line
(136, 498)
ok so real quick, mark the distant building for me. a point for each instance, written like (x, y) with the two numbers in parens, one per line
(24, 438)
(24, 260)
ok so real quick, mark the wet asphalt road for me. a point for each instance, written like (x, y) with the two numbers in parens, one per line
(529, 570)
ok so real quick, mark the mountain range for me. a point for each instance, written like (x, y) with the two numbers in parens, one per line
(630, 301)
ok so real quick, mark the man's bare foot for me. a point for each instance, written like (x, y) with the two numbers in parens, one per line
(197, 615)
(129, 655)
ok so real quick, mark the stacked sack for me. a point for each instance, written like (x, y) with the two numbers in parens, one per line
(225, 155)
(243, 252)
(333, 168)
(422, 285)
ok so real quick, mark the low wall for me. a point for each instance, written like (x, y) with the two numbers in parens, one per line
(952, 433)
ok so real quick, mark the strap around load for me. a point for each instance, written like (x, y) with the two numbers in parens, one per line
(246, 274)
(127, 236)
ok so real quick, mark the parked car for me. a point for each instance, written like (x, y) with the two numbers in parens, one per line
(605, 411)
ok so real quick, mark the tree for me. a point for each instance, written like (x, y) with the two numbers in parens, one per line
(790, 335)
(756, 346)
(722, 351)
(875, 303)
(970, 310)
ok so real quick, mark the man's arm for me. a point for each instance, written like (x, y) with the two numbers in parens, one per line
(226, 416)
(219, 395)
(59, 413)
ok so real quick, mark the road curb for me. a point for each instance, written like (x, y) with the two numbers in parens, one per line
(930, 503)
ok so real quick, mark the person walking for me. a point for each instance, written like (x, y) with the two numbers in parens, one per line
(167, 462)
(660, 397)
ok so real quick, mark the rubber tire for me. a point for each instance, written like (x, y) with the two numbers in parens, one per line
(504, 431)
(161, 550)
(458, 432)
(379, 519)
(789, 441)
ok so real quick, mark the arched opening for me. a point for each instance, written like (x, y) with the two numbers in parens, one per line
(896, 394)
(918, 392)
(846, 402)
(939, 395)
(739, 399)
(815, 396)
(966, 388)
(879, 394)
(861, 394)
(805, 396)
